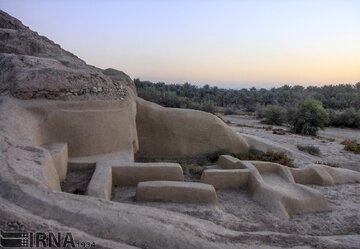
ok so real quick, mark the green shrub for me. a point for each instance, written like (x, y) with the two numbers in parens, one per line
(260, 111)
(351, 145)
(193, 105)
(312, 150)
(208, 106)
(308, 118)
(345, 118)
(272, 114)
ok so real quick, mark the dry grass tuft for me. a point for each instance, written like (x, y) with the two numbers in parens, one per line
(351, 145)
(312, 150)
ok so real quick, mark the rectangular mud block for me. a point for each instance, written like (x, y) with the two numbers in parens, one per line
(226, 179)
(130, 174)
(59, 154)
(173, 191)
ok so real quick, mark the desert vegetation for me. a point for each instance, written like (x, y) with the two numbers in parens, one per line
(253, 155)
(351, 145)
(268, 156)
(305, 110)
(272, 114)
(310, 149)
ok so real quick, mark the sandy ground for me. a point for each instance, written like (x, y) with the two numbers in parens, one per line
(237, 211)
(328, 142)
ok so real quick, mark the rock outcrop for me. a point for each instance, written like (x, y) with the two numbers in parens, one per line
(32, 66)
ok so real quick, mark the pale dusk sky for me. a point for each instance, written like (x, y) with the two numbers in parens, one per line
(230, 44)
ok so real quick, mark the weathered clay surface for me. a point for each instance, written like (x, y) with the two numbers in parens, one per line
(175, 191)
(170, 133)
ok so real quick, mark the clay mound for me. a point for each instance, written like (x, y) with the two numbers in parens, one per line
(286, 198)
(324, 175)
(272, 185)
(170, 133)
(35, 67)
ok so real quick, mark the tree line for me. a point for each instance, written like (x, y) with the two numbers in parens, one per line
(341, 102)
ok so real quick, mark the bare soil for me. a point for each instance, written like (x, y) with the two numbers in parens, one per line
(328, 141)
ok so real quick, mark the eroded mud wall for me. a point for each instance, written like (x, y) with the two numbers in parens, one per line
(169, 133)
(88, 127)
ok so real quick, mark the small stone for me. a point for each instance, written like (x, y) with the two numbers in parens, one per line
(100, 89)
(94, 89)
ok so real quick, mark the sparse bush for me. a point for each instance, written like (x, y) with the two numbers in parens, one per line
(331, 164)
(270, 156)
(278, 131)
(308, 118)
(208, 106)
(252, 154)
(312, 150)
(272, 114)
(351, 145)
